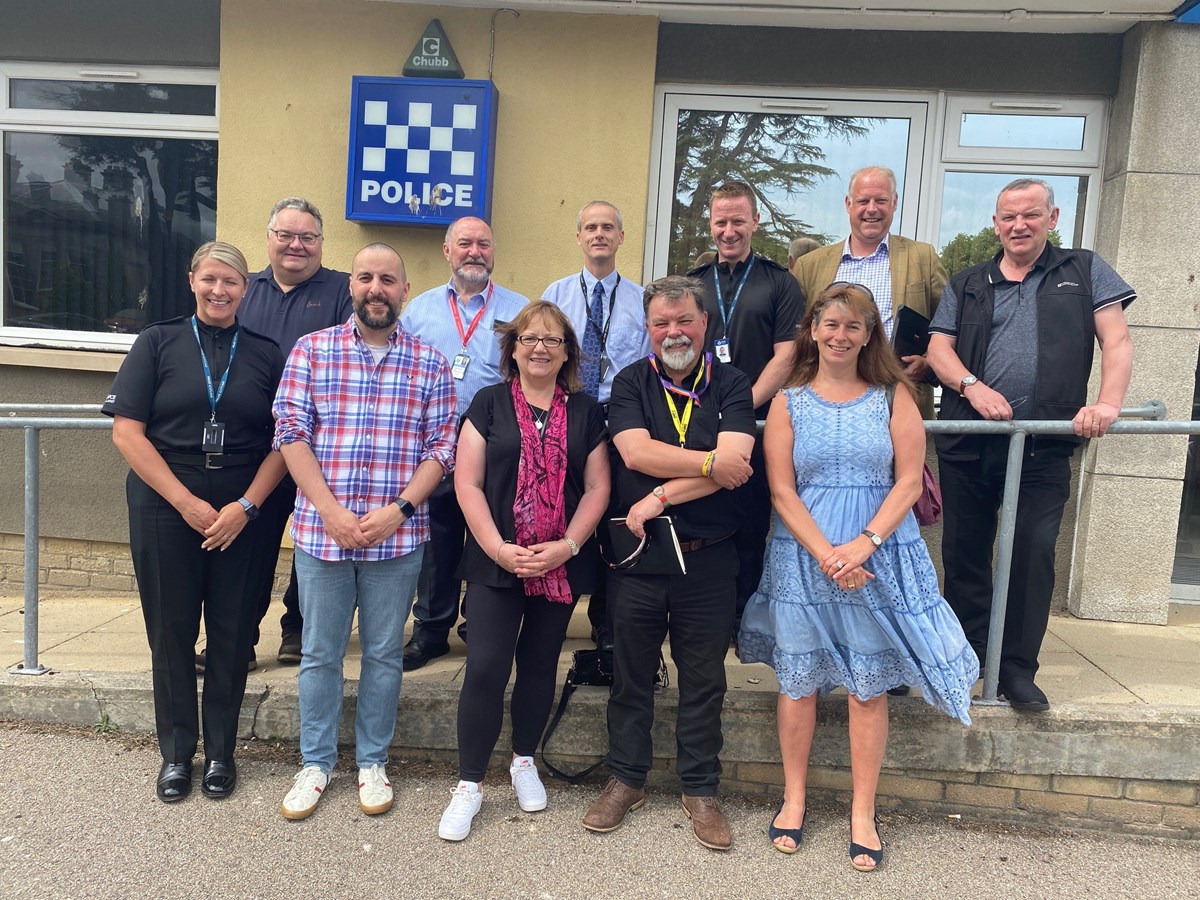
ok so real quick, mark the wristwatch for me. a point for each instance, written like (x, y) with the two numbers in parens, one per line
(967, 381)
(873, 537)
(406, 509)
(250, 509)
(661, 493)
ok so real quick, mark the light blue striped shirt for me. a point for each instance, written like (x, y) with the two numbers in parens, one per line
(875, 272)
(429, 317)
(628, 340)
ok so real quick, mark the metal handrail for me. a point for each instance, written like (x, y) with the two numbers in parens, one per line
(1153, 410)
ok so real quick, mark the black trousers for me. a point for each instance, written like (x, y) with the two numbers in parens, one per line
(273, 517)
(439, 588)
(754, 504)
(178, 581)
(507, 625)
(972, 495)
(696, 611)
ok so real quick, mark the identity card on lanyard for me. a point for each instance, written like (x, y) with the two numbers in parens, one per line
(721, 346)
(214, 431)
(459, 367)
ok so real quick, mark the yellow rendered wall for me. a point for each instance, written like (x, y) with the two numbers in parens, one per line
(576, 100)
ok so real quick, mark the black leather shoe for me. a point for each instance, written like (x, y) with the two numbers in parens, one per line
(174, 781)
(289, 649)
(418, 653)
(603, 638)
(220, 778)
(1023, 694)
(901, 691)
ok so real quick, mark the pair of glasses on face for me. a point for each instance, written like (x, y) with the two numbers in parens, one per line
(851, 284)
(307, 238)
(635, 557)
(550, 343)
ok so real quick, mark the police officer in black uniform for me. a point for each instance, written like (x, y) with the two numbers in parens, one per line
(192, 417)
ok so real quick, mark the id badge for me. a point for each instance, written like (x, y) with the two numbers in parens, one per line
(605, 365)
(214, 438)
(722, 348)
(459, 367)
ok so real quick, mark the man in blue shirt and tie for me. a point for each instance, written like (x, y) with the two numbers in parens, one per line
(606, 311)
(458, 319)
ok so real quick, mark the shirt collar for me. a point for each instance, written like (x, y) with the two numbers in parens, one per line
(882, 249)
(393, 338)
(466, 302)
(609, 281)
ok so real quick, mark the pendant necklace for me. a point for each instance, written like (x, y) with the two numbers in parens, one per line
(539, 421)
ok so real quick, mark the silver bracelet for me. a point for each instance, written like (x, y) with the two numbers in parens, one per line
(570, 543)
(496, 558)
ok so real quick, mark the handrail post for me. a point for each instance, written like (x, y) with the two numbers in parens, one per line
(1008, 529)
(30, 665)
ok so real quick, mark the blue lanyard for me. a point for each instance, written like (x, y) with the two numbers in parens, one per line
(727, 317)
(215, 398)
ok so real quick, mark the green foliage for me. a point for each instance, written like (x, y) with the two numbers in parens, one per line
(776, 154)
(105, 725)
(966, 250)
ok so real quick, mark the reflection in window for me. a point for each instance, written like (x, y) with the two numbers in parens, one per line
(99, 230)
(1022, 132)
(109, 96)
(969, 200)
(798, 164)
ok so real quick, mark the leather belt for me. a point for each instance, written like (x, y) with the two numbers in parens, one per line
(212, 460)
(692, 546)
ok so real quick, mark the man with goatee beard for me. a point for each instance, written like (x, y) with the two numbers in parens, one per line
(459, 319)
(365, 419)
(683, 426)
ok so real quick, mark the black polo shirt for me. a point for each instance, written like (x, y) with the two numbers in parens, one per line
(321, 302)
(161, 383)
(639, 401)
(767, 312)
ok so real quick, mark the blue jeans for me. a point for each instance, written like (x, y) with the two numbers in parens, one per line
(382, 591)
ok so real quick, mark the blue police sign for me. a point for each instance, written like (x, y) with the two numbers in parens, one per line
(422, 150)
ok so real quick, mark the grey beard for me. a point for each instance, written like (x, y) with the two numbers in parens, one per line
(465, 277)
(680, 359)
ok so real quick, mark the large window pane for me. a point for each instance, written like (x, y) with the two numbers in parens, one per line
(969, 200)
(112, 96)
(799, 164)
(99, 230)
(1022, 132)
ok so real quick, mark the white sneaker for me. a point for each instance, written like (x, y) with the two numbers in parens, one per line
(531, 794)
(465, 801)
(306, 792)
(374, 790)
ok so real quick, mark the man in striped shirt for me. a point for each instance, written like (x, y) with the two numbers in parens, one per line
(365, 419)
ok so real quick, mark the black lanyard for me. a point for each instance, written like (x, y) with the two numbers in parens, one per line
(587, 309)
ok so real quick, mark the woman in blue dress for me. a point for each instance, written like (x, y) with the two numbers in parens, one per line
(849, 596)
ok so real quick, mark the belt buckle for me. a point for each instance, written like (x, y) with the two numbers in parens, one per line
(214, 460)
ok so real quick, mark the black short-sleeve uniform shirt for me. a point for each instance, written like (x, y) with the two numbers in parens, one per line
(321, 302)
(639, 401)
(767, 312)
(495, 418)
(161, 383)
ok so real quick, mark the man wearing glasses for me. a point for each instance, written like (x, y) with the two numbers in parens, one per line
(459, 319)
(683, 426)
(293, 296)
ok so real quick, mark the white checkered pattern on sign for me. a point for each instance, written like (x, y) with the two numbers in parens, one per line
(399, 136)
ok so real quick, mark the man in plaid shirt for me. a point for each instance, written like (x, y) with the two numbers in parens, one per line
(365, 419)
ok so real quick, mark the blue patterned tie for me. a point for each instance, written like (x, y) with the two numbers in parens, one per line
(591, 344)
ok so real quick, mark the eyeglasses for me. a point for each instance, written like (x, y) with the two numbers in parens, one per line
(550, 343)
(635, 557)
(851, 284)
(307, 238)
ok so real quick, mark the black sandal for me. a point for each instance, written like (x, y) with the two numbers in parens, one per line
(857, 850)
(796, 834)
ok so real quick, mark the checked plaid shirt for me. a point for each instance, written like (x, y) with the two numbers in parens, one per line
(369, 425)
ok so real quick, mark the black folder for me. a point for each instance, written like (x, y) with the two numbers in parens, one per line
(910, 336)
(661, 554)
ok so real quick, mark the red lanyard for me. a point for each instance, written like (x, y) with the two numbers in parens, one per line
(466, 335)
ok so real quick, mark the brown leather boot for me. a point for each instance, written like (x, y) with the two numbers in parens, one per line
(608, 810)
(708, 822)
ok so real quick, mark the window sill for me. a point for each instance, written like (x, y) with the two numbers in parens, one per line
(77, 360)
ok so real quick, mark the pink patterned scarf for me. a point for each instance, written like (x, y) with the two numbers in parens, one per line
(539, 512)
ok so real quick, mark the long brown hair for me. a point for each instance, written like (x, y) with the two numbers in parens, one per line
(568, 375)
(877, 362)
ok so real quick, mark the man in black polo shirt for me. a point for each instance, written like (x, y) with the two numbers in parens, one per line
(683, 427)
(295, 295)
(754, 306)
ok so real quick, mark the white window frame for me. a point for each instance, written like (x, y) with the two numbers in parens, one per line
(48, 121)
(669, 99)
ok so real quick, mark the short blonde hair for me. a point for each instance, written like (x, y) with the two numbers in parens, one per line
(222, 253)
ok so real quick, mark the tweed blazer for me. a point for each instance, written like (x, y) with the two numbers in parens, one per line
(917, 282)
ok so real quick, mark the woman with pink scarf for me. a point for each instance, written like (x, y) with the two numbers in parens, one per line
(532, 479)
